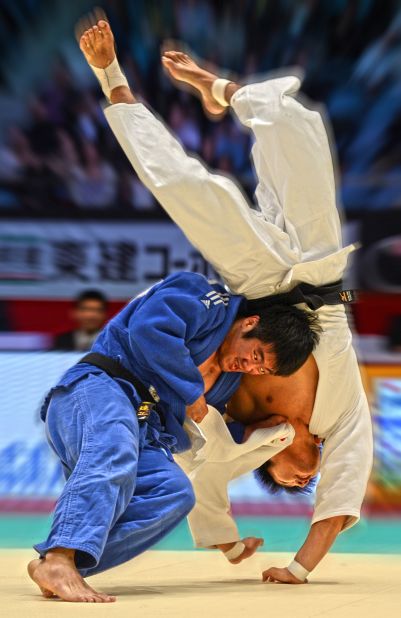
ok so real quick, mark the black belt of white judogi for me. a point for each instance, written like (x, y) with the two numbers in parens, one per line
(116, 370)
(314, 296)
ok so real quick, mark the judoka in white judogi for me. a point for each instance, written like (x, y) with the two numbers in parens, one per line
(296, 236)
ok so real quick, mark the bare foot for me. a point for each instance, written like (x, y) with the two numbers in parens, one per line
(97, 45)
(31, 569)
(56, 575)
(183, 69)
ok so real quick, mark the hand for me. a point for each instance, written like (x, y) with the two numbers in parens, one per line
(252, 544)
(197, 410)
(281, 576)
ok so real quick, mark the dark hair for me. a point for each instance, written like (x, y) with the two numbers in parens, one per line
(293, 334)
(266, 480)
(91, 295)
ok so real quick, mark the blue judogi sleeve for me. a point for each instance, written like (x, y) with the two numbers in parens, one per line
(173, 323)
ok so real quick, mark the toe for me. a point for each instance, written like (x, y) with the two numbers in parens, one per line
(98, 34)
(104, 26)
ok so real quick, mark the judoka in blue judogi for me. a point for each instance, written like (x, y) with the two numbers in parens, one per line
(124, 492)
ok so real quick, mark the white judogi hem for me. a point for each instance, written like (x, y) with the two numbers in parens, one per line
(295, 237)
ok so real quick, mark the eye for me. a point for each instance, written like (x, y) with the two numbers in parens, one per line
(255, 356)
(262, 370)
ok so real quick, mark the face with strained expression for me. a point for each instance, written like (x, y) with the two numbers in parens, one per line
(296, 465)
(245, 355)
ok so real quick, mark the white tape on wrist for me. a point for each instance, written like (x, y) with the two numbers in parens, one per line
(235, 551)
(218, 90)
(111, 77)
(298, 570)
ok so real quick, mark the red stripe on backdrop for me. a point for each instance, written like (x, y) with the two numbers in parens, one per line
(372, 313)
(46, 316)
(44, 506)
(259, 509)
(35, 506)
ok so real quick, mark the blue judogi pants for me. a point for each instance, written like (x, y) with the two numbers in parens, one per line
(123, 492)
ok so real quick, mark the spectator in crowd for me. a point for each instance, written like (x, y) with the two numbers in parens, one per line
(94, 183)
(90, 312)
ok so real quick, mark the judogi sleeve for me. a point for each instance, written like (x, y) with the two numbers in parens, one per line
(161, 328)
(345, 467)
(210, 521)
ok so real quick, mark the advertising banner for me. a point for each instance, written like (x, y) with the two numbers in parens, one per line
(43, 259)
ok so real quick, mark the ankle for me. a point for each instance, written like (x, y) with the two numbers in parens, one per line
(110, 78)
(60, 553)
(231, 89)
(122, 94)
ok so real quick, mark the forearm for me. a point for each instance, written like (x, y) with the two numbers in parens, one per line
(319, 540)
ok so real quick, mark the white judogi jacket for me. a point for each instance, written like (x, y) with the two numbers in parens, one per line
(295, 236)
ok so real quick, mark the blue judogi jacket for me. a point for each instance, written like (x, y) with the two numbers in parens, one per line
(161, 336)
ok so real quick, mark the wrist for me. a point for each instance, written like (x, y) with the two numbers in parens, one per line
(297, 570)
(235, 552)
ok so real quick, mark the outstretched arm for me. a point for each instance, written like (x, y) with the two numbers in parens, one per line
(318, 542)
(345, 469)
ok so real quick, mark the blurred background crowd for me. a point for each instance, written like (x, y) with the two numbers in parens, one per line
(60, 159)
(80, 235)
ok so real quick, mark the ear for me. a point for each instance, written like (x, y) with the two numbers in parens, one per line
(249, 323)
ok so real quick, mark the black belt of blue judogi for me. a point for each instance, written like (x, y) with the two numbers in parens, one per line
(116, 370)
(314, 296)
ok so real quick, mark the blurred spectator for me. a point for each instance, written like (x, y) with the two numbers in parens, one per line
(92, 184)
(89, 314)
(134, 194)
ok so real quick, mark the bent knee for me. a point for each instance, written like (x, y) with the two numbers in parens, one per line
(179, 488)
(185, 494)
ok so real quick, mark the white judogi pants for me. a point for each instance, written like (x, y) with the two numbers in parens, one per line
(295, 237)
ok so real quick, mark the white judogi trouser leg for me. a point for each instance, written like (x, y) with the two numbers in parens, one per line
(296, 236)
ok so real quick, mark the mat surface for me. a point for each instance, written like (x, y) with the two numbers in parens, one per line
(202, 584)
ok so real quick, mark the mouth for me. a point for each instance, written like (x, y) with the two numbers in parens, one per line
(305, 480)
